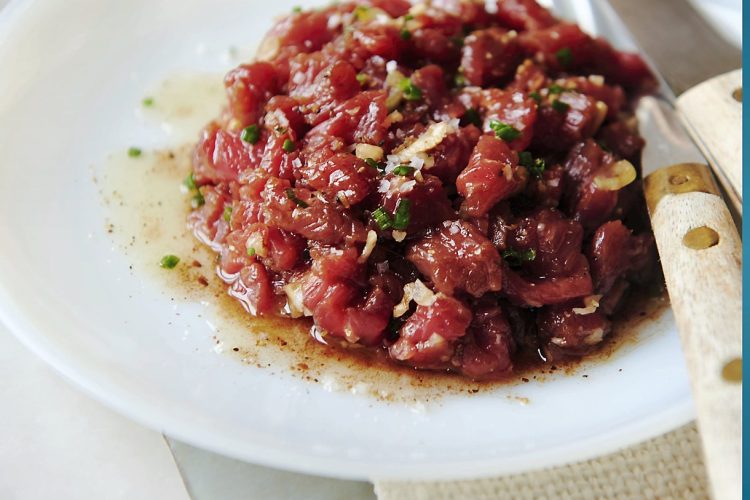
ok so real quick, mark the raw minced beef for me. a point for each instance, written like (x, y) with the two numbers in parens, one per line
(451, 184)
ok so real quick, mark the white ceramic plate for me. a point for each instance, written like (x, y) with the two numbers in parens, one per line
(72, 74)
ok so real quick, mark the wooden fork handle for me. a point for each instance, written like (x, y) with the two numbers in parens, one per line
(701, 255)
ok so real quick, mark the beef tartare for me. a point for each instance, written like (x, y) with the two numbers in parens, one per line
(453, 184)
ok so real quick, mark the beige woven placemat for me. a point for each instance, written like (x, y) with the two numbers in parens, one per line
(667, 467)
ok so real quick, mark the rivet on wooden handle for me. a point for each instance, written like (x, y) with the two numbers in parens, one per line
(679, 178)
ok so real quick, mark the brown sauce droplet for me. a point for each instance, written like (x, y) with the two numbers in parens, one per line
(737, 94)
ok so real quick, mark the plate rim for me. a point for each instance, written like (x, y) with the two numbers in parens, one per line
(136, 407)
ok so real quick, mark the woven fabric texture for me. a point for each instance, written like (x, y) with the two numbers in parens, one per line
(667, 467)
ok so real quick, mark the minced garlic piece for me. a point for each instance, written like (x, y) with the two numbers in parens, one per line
(594, 337)
(591, 304)
(430, 138)
(255, 241)
(615, 176)
(268, 48)
(365, 151)
(372, 240)
(399, 235)
(419, 293)
(295, 300)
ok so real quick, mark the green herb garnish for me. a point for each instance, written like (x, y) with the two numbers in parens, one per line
(559, 106)
(458, 41)
(134, 152)
(382, 218)
(403, 170)
(251, 252)
(372, 163)
(361, 78)
(536, 96)
(504, 131)
(289, 146)
(535, 166)
(148, 102)
(250, 134)
(516, 258)
(564, 57)
(300, 203)
(403, 215)
(169, 261)
(227, 213)
(411, 92)
(405, 34)
(459, 80)
(296, 9)
(189, 182)
(197, 200)
(556, 89)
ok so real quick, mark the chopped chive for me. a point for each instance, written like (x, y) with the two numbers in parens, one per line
(289, 146)
(189, 182)
(536, 96)
(411, 92)
(504, 131)
(403, 170)
(300, 203)
(515, 258)
(372, 163)
(250, 134)
(408, 17)
(405, 34)
(361, 78)
(251, 252)
(556, 89)
(134, 152)
(148, 102)
(559, 106)
(169, 261)
(402, 215)
(472, 116)
(296, 9)
(458, 41)
(535, 167)
(564, 57)
(538, 168)
(198, 200)
(382, 219)
(459, 80)
(227, 213)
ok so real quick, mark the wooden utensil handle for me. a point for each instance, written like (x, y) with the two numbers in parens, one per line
(712, 113)
(701, 255)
